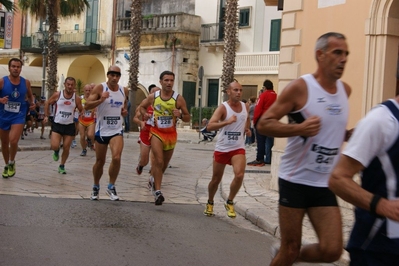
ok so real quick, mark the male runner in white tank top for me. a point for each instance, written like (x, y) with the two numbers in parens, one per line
(110, 99)
(232, 119)
(317, 106)
(63, 127)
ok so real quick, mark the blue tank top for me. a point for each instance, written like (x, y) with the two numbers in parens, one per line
(17, 104)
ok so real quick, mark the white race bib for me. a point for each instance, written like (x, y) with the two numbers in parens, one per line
(164, 121)
(232, 138)
(12, 107)
(112, 121)
(321, 159)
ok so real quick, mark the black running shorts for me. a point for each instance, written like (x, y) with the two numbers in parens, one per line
(302, 196)
(64, 130)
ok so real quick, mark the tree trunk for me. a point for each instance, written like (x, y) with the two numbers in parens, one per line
(230, 40)
(135, 35)
(52, 83)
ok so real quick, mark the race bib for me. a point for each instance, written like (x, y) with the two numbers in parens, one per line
(232, 138)
(112, 121)
(12, 107)
(165, 121)
(87, 114)
(64, 115)
(321, 159)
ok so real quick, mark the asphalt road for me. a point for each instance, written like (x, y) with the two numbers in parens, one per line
(45, 231)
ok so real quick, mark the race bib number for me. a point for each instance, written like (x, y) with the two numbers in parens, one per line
(231, 138)
(164, 121)
(321, 159)
(65, 115)
(87, 114)
(112, 121)
(12, 107)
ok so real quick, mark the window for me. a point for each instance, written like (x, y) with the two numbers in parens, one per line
(275, 32)
(244, 17)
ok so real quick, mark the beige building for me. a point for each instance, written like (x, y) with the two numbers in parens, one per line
(85, 44)
(372, 31)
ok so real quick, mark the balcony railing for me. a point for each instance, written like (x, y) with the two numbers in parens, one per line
(257, 63)
(165, 22)
(213, 32)
(69, 37)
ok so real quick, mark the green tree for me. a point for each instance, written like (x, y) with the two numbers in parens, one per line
(52, 10)
(8, 5)
(230, 40)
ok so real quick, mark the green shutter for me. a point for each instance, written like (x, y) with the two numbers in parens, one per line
(275, 33)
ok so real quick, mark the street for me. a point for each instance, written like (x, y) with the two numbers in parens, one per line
(47, 218)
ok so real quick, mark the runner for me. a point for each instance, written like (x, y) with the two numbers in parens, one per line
(86, 124)
(15, 99)
(232, 119)
(168, 107)
(63, 127)
(110, 99)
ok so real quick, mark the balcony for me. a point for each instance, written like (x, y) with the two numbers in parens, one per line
(71, 41)
(257, 63)
(162, 22)
(212, 33)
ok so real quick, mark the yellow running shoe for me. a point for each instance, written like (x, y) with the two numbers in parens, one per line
(5, 172)
(230, 210)
(209, 210)
(11, 169)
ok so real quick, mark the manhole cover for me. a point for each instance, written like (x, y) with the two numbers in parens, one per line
(258, 171)
(203, 150)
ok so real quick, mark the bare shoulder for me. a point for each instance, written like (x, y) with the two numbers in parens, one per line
(348, 88)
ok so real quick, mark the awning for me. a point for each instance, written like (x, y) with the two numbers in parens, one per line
(34, 74)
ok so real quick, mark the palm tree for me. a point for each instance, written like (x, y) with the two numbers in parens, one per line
(8, 5)
(59, 8)
(230, 40)
(135, 35)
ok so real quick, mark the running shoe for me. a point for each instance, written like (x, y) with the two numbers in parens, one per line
(73, 145)
(209, 210)
(11, 169)
(5, 172)
(139, 169)
(112, 193)
(230, 210)
(256, 163)
(56, 155)
(83, 152)
(94, 194)
(61, 169)
(41, 137)
(22, 137)
(159, 198)
(89, 144)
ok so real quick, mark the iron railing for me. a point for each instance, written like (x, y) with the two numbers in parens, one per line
(69, 37)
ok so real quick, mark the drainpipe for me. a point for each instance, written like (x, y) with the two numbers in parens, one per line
(113, 34)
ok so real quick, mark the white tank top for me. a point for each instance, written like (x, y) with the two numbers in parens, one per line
(109, 113)
(64, 109)
(310, 160)
(231, 137)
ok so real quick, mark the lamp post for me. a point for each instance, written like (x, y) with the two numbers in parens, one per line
(200, 77)
(42, 36)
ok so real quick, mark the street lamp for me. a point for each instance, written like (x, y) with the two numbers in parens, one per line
(42, 37)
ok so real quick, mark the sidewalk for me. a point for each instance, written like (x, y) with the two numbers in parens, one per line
(255, 201)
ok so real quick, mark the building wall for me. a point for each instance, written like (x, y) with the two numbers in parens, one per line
(252, 39)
